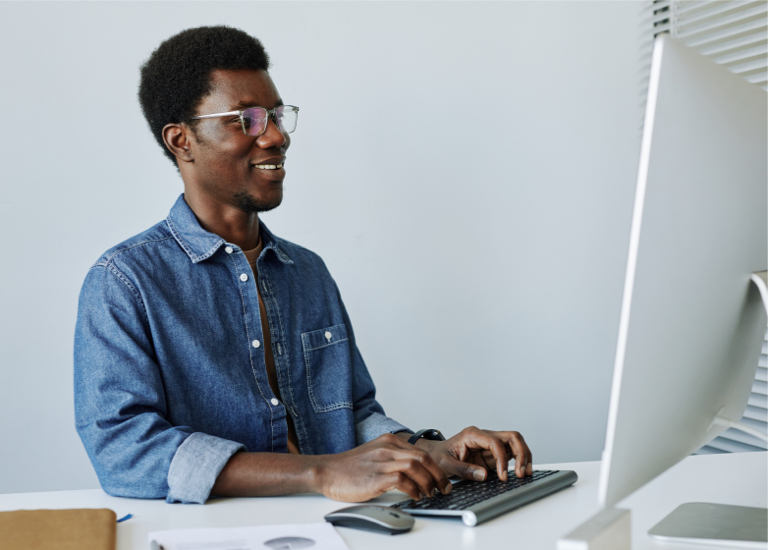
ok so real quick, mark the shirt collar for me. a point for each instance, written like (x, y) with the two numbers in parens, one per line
(200, 244)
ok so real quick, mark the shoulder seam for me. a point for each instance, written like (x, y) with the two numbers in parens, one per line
(127, 282)
(108, 261)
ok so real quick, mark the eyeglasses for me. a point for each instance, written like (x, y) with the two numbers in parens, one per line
(254, 119)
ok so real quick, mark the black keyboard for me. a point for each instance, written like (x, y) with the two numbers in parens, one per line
(478, 501)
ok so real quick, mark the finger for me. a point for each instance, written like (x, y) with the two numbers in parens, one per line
(465, 470)
(486, 460)
(515, 448)
(499, 451)
(521, 452)
(401, 482)
(437, 475)
(417, 473)
(497, 447)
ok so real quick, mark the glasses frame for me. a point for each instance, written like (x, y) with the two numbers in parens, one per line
(271, 114)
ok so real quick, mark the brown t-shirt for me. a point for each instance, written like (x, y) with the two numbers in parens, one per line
(269, 358)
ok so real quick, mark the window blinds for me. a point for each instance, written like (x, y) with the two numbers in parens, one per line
(734, 34)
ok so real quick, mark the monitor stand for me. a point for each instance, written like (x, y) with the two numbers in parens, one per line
(699, 523)
(705, 523)
(714, 524)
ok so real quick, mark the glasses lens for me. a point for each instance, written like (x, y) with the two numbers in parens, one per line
(287, 116)
(255, 121)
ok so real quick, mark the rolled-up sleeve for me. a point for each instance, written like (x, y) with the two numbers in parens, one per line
(196, 465)
(120, 406)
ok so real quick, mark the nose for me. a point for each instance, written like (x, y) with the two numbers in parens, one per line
(272, 137)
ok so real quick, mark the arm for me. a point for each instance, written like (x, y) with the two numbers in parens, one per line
(357, 475)
(120, 407)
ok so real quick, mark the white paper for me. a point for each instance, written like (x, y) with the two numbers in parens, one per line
(312, 536)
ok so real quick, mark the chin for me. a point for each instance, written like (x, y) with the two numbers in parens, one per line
(248, 203)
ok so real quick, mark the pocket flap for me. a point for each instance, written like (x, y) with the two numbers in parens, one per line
(323, 337)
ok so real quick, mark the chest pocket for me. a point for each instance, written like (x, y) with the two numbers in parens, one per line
(328, 361)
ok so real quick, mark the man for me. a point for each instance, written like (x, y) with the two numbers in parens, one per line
(214, 358)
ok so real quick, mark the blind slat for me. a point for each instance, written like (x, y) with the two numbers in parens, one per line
(756, 413)
(759, 79)
(749, 66)
(734, 18)
(762, 374)
(690, 16)
(756, 424)
(730, 446)
(707, 450)
(745, 439)
(757, 400)
(730, 31)
(741, 42)
(693, 5)
(742, 54)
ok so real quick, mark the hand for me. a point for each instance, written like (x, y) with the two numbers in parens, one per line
(379, 466)
(472, 451)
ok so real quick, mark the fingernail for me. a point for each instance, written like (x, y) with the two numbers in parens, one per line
(479, 475)
(433, 492)
(448, 488)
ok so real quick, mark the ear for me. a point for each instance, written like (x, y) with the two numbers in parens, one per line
(177, 137)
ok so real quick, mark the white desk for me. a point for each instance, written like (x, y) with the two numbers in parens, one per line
(729, 479)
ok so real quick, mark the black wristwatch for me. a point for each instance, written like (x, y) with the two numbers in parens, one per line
(430, 433)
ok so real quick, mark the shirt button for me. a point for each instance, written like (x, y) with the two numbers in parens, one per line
(275, 402)
(228, 250)
(243, 277)
(328, 335)
(255, 343)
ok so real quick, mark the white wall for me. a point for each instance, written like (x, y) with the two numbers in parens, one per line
(465, 169)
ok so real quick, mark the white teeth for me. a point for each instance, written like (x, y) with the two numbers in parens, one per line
(268, 166)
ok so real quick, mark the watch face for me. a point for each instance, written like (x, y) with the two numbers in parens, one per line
(433, 435)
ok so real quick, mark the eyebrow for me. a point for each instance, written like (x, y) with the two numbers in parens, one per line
(242, 105)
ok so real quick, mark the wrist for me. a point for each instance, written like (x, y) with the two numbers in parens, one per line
(318, 473)
(426, 444)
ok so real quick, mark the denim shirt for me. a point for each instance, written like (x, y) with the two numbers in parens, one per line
(170, 377)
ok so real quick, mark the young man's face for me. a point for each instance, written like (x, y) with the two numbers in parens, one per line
(230, 167)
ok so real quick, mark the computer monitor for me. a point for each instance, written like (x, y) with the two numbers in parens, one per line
(691, 322)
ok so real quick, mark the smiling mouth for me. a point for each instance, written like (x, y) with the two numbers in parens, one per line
(268, 166)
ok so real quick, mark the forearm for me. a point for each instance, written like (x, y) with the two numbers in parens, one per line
(269, 474)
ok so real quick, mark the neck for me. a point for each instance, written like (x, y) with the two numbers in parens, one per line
(225, 220)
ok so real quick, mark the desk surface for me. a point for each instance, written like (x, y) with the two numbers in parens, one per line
(729, 479)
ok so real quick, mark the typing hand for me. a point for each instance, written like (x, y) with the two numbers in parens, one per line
(471, 452)
(379, 466)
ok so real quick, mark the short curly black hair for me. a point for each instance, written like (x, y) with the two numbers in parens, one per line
(177, 76)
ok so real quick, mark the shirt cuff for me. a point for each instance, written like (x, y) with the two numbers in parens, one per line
(196, 465)
(375, 425)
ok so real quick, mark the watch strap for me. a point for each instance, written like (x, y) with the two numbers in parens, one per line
(430, 433)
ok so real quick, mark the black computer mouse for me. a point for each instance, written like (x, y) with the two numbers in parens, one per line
(372, 517)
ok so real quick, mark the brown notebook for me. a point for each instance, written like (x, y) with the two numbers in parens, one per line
(84, 529)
